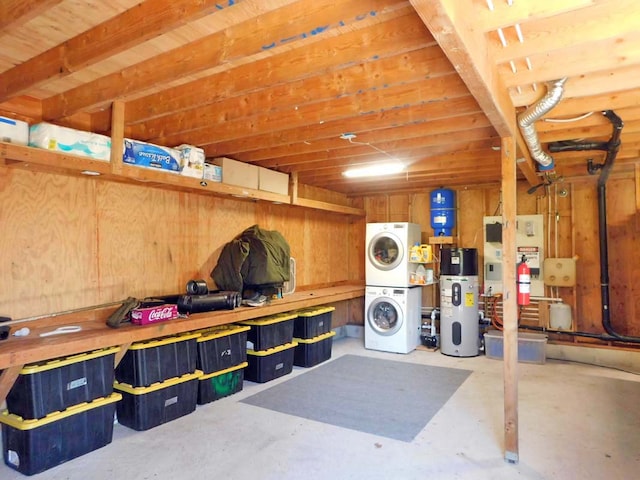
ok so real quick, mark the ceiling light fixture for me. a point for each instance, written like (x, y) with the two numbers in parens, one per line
(372, 170)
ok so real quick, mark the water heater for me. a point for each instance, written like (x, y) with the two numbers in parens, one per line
(459, 321)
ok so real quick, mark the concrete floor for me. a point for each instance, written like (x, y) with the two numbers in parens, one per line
(576, 422)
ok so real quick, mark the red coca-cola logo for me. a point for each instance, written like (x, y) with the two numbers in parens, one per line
(162, 313)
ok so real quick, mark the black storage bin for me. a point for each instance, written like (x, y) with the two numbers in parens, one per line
(33, 446)
(143, 408)
(221, 347)
(269, 332)
(313, 351)
(217, 385)
(52, 386)
(311, 322)
(267, 365)
(157, 360)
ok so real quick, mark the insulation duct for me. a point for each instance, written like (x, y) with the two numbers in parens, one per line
(527, 119)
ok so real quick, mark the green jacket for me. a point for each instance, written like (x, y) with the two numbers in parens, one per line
(254, 258)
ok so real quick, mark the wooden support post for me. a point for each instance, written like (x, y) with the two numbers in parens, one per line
(117, 136)
(8, 377)
(120, 354)
(509, 306)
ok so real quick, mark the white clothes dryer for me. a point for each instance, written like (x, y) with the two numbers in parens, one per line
(388, 250)
(392, 318)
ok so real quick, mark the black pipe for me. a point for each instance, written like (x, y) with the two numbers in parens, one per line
(612, 152)
(612, 148)
(572, 145)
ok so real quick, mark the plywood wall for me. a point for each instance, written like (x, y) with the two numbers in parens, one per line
(571, 227)
(72, 242)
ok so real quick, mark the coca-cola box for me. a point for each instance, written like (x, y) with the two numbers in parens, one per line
(145, 316)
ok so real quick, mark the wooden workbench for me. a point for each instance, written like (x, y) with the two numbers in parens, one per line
(16, 352)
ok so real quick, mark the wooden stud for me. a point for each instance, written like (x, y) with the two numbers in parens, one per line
(510, 313)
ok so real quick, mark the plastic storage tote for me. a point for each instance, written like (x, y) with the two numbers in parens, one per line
(157, 360)
(221, 347)
(311, 322)
(57, 384)
(312, 351)
(217, 385)
(269, 332)
(267, 365)
(33, 446)
(143, 408)
(531, 346)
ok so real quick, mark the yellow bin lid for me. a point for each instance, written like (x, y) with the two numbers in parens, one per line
(271, 319)
(271, 351)
(64, 361)
(313, 311)
(226, 370)
(220, 331)
(158, 342)
(125, 387)
(319, 338)
(19, 423)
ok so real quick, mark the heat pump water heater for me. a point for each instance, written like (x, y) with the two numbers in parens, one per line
(459, 323)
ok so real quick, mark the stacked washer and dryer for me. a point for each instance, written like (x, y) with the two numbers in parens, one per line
(392, 305)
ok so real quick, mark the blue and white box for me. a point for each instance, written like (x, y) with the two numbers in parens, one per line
(149, 155)
(14, 131)
(69, 140)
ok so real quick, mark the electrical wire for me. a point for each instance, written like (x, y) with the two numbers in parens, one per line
(568, 120)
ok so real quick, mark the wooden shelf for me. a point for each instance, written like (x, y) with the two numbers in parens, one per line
(330, 207)
(41, 160)
(440, 240)
(15, 352)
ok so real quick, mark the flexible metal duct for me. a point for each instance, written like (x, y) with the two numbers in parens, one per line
(527, 119)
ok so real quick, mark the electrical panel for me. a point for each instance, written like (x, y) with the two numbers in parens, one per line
(529, 242)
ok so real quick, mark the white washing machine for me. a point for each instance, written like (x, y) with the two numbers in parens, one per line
(388, 249)
(392, 318)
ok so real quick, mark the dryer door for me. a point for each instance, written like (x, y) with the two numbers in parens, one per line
(385, 251)
(385, 316)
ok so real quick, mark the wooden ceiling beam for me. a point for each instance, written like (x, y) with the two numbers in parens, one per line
(472, 160)
(505, 15)
(471, 138)
(610, 82)
(14, 13)
(344, 108)
(143, 22)
(575, 61)
(251, 40)
(419, 159)
(338, 86)
(371, 122)
(571, 29)
(400, 39)
(466, 47)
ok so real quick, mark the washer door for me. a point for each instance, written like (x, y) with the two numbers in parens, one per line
(385, 251)
(384, 316)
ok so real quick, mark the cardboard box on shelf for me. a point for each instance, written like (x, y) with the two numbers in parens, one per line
(238, 173)
(272, 181)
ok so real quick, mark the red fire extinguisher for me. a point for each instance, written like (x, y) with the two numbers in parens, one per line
(524, 282)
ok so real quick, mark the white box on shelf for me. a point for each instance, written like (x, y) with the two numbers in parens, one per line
(272, 181)
(14, 131)
(212, 172)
